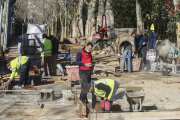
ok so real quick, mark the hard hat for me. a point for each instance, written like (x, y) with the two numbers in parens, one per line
(152, 27)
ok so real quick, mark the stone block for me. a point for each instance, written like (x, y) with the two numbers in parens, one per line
(47, 94)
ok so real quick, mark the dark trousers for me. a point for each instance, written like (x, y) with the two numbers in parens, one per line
(47, 61)
(142, 54)
(24, 73)
(85, 78)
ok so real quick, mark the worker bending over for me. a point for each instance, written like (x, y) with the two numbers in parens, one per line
(140, 43)
(104, 88)
(20, 65)
(127, 51)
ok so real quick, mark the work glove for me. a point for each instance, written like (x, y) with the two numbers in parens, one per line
(88, 65)
(9, 80)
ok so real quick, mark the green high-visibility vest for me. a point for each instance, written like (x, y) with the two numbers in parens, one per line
(47, 48)
(16, 65)
(102, 93)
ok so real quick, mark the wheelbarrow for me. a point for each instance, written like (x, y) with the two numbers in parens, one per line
(135, 100)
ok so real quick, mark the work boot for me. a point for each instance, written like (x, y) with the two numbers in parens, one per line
(103, 110)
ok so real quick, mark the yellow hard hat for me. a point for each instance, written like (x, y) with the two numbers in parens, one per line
(152, 27)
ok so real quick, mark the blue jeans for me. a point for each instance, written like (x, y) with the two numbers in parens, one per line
(126, 52)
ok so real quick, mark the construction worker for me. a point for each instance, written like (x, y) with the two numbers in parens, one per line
(104, 88)
(140, 43)
(20, 65)
(55, 44)
(84, 60)
(127, 51)
(152, 38)
(46, 54)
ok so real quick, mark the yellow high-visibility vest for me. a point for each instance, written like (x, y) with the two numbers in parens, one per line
(102, 93)
(47, 48)
(16, 65)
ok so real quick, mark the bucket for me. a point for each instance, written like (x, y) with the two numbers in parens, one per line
(135, 64)
(73, 72)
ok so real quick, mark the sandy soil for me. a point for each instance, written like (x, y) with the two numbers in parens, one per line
(158, 95)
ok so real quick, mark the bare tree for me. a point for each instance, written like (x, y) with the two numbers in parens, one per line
(140, 26)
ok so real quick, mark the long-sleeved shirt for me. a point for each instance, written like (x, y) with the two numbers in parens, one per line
(138, 41)
(78, 60)
(126, 44)
(100, 86)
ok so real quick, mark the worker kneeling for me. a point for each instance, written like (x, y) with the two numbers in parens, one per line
(104, 88)
(20, 65)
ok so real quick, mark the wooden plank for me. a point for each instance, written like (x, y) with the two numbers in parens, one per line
(82, 107)
(136, 115)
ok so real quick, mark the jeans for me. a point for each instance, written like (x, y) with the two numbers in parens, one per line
(126, 52)
(24, 73)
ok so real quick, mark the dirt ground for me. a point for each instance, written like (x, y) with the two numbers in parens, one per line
(158, 94)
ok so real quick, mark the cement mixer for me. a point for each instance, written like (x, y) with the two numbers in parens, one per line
(165, 49)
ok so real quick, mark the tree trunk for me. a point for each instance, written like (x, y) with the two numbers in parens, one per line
(100, 13)
(93, 22)
(3, 24)
(52, 27)
(74, 25)
(109, 14)
(62, 30)
(48, 32)
(88, 22)
(56, 28)
(175, 4)
(65, 30)
(140, 25)
(80, 20)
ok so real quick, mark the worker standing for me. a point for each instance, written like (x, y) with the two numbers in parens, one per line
(55, 44)
(84, 60)
(140, 43)
(20, 65)
(46, 54)
(104, 88)
(127, 51)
